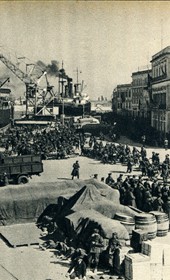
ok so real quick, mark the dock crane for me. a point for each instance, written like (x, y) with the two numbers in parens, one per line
(30, 82)
(47, 95)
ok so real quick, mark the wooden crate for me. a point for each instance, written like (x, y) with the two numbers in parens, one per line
(138, 236)
(153, 250)
(137, 267)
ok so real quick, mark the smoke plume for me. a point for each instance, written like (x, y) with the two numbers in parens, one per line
(51, 69)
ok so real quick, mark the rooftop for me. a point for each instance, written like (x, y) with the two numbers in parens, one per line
(123, 85)
(161, 53)
(142, 72)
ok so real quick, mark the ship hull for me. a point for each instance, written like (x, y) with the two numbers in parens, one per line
(5, 116)
(75, 109)
(70, 109)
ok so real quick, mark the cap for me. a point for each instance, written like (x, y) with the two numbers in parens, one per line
(109, 173)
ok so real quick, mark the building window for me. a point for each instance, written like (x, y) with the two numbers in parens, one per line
(165, 70)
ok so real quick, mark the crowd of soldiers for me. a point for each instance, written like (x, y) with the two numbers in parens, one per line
(149, 191)
(142, 193)
(60, 141)
(132, 157)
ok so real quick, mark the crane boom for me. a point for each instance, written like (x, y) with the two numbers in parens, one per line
(18, 72)
(32, 84)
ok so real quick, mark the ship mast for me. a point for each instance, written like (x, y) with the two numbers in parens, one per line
(76, 85)
(62, 81)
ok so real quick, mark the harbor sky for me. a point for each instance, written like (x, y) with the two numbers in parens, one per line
(107, 41)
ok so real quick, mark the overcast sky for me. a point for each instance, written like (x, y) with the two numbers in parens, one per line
(107, 41)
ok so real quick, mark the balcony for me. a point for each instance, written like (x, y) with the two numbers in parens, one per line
(157, 79)
(158, 106)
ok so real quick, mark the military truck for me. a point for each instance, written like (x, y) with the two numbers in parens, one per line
(18, 169)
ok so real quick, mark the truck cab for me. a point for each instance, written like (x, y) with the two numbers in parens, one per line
(18, 169)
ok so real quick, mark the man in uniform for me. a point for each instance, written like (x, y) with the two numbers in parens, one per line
(77, 269)
(75, 171)
(95, 248)
(109, 180)
(166, 144)
(113, 250)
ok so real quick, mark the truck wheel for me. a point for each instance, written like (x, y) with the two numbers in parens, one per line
(23, 179)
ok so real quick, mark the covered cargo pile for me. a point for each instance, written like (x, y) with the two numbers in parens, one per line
(83, 222)
(87, 209)
(23, 204)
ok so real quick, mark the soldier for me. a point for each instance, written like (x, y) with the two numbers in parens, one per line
(165, 171)
(143, 140)
(129, 166)
(95, 248)
(166, 207)
(95, 176)
(5, 179)
(113, 250)
(166, 144)
(77, 269)
(75, 171)
(109, 180)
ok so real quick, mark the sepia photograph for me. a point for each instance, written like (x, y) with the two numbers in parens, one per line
(84, 140)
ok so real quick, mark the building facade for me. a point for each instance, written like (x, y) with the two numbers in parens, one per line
(122, 99)
(160, 115)
(141, 94)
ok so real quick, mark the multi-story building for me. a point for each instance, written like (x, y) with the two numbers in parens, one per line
(122, 98)
(160, 115)
(141, 94)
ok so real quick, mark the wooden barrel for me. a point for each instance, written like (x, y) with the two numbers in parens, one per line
(127, 221)
(162, 223)
(146, 222)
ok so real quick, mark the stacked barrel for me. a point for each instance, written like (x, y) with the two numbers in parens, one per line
(127, 221)
(162, 223)
(154, 223)
(147, 223)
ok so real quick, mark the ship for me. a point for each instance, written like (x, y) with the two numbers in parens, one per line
(5, 112)
(5, 106)
(71, 100)
(76, 106)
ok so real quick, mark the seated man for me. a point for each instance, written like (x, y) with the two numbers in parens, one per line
(77, 269)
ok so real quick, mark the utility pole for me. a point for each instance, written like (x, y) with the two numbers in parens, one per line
(63, 113)
(62, 80)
